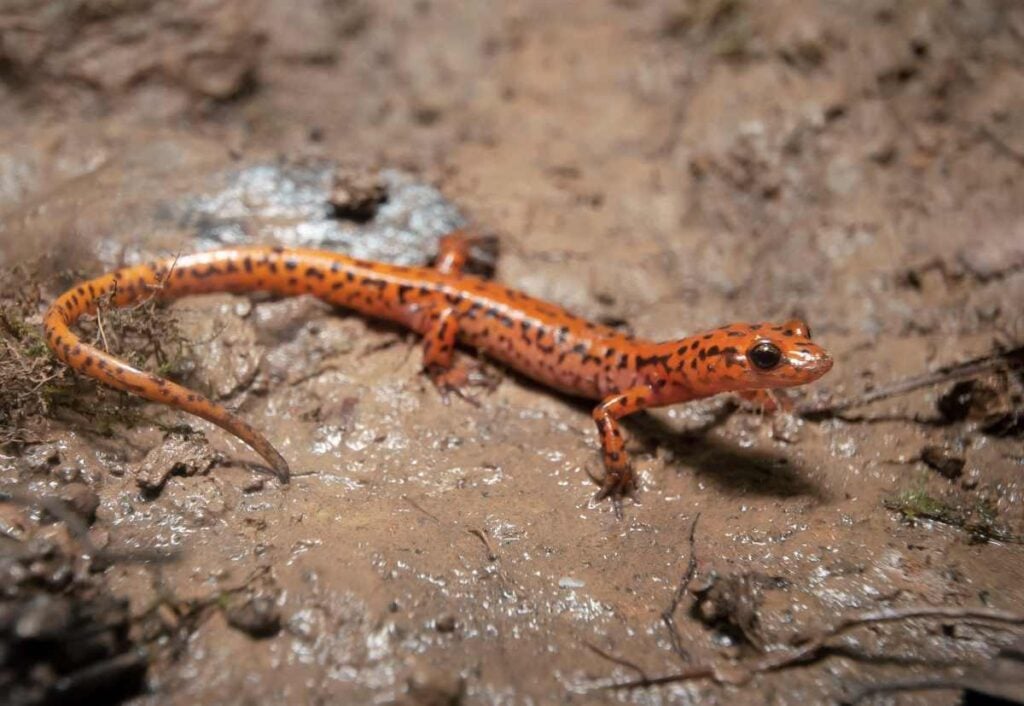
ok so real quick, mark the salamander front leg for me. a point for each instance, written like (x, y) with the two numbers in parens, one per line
(618, 474)
(439, 359)
(454, 251)
(765, 400)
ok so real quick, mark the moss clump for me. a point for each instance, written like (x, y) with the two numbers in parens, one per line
(36, 385)
(978, 518)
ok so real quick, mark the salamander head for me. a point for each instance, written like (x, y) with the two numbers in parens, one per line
(758, 356)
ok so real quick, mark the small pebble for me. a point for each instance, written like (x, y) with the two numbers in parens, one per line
(944, 461)
(82, 499)
(257, 616)
(445, 623)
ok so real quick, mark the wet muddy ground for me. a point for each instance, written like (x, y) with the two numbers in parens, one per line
(664, 166)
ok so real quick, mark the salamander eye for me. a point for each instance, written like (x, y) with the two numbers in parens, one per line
(765, 355)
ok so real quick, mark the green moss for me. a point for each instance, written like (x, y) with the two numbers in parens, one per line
(36, 385)
(979, 517)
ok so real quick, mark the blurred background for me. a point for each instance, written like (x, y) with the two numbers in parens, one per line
(663, 165)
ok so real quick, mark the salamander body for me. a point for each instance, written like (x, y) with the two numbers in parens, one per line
(448, 307)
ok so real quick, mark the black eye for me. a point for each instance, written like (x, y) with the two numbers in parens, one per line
(765, 355)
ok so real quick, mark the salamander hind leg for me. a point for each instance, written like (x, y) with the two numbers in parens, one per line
(618, 477)
(440, 364)
(460, 247)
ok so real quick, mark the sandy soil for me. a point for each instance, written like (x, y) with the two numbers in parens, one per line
(666, 165)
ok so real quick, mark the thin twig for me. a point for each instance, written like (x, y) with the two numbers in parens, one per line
(419, 507)
(621, 661)
(79, 529)
(1012, 359)
(816, 646)
(668, 615)
(479, 534)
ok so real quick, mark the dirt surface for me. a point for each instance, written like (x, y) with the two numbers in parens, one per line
(668, 166)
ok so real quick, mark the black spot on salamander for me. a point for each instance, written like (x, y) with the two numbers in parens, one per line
(87, 363)
(660, 383)
(180, 273)
(350, 277)
(403, 290)
(581, 348)
(81, 291)
(453, 299)
(191, 397)
(314, 273)
(707, 336)
(713, 350)
(293, 281)
(101, 364)
(623, 361)
(272, 266)
(506, 320)
(735, 334)
(693, 364)
(788, 333)
(703, 354)
(374, 282)
(291, 263)
(335, 266)
(335, 286)
(545, 349)
(230, 267)
(277, 249)
(562, 334)
(643, 362)
(491, 313)
(247, 263)
(60, 339)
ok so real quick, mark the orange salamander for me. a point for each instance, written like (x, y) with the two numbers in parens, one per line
(446, 307)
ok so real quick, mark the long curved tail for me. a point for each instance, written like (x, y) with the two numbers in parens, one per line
(133, 284)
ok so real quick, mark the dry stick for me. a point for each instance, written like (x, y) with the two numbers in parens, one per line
(668, 615)
(79, 529)
(479, 534)
(1013, 358)
(617, 660)
(815, 646)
